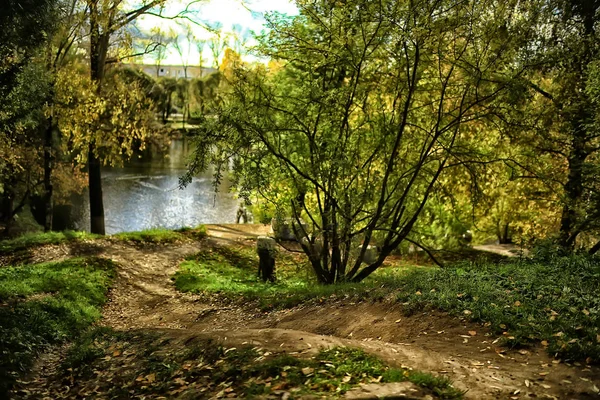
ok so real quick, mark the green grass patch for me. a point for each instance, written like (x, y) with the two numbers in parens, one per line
(44, 304)
(556, 301)
(38, 239)
(232, 273)
(162, 236)
(133, 364)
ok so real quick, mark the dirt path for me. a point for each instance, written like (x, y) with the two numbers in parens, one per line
(144, 298)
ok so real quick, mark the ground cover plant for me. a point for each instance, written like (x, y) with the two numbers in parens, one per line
(232, 273)
(44, 304)
(555, 301)
(137, 363)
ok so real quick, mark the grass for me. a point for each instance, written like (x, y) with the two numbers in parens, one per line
(162, 236)
(555, 302)
(38, 239)
(151, 364)
(232, 273)
(44, 304)
(154, 236)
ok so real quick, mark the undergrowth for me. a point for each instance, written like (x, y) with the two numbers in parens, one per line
(153, 365)
(44, 304)
(555, 301)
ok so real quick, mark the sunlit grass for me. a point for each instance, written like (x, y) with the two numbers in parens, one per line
(38, 239)
(232, 272)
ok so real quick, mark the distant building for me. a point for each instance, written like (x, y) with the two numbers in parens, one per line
(173, 71)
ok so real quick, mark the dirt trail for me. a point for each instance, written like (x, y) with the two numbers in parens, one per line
(144, 298)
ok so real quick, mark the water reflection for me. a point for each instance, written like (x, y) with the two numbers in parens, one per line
(145, 194)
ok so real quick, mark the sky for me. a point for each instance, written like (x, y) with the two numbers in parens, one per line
(231, 15)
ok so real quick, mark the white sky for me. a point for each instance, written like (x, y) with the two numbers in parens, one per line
(227, 13)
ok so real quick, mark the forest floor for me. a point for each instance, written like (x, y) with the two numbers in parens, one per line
(144, 301)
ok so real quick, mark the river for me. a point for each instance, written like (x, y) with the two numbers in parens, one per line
(145, 194)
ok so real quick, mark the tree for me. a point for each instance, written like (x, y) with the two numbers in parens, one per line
(27, 25)
(371, 105)
(557, 109)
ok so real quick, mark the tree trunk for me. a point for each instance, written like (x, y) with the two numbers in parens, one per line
(573, 190)
(48, 189)
(98, 50)
(95, 184)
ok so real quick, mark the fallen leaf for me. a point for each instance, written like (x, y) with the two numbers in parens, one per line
(116, 353)
(502, 326)
(558, 334)
(346, 379)
(307, 370)
(472, 333)
(543, 373)
(545, 386)
(517, 303)
(545, 343)
(527, 383)
(151, 378)
(467, 312)
(418, 293)
(586, 312)
(523, 352)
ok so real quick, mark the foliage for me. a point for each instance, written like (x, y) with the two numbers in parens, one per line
(117, 122)
(555, 301)
(550, 109)
(371, 104)
(160, 365)
(44, 304)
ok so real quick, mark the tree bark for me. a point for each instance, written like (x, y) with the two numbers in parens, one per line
(95, 185)
(48, 188)
(98, 50)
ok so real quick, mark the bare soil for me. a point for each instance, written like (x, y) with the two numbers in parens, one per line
(144, 297)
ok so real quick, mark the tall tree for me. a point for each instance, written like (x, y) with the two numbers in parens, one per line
(556, 112)
(369, 108)
(27, 26)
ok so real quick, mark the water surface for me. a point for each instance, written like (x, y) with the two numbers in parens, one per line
(145, 194)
